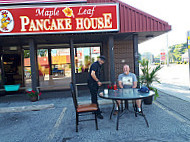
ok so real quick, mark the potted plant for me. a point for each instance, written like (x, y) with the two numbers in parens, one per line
(34, 95)
(149, 75)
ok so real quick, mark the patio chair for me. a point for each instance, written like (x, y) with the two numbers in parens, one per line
(82, 110)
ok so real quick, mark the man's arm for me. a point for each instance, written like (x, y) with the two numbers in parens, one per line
(95, 78)
(134, 85)
(120, 84)
(134, 81)
(120, 81)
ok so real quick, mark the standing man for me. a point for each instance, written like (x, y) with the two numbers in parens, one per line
(94, 82)
(128, 80)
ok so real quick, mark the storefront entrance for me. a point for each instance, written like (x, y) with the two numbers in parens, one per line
(12, 69)
(54, 65)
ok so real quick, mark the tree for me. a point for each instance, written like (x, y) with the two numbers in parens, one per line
(176, 51)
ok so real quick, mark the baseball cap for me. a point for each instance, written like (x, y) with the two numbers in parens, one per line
(102, 57)
(144, 89)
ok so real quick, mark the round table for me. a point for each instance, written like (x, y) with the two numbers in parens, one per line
(125, 94)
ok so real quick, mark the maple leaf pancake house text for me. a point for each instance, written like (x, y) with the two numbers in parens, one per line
(104, 22)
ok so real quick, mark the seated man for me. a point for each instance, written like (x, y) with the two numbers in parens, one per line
(128, 80)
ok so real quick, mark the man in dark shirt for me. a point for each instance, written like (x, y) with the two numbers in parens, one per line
(94, 82)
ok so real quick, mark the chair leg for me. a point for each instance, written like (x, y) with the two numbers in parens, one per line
(77, 122)
(95, 114)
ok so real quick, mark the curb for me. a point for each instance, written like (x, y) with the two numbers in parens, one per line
(26, 108)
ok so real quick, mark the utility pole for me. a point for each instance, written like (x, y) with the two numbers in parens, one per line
(188, 47)
(167, 52)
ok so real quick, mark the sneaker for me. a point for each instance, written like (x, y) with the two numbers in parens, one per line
(139, 110)
(115, 112)
(100, 116)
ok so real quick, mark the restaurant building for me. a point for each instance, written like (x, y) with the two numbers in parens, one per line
(48, 44)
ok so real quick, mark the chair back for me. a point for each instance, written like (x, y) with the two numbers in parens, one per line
(73, 92)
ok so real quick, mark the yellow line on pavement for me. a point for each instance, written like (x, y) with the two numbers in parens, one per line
(56, 126)
(172, 114)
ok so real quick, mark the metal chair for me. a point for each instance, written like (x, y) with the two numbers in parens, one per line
(82, 110)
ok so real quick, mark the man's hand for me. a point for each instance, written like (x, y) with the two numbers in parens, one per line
(99, 83)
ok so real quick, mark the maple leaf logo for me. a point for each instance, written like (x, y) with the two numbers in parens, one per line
(68, 12)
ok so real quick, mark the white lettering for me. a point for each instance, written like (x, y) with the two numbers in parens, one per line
(79, 23)
(107, 18)
(47, 13)
(24, 21)
(87, 11)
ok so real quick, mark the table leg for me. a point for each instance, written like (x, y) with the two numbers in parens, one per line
(117, 125)
(121, 105)
(135, 107)
(126, 104)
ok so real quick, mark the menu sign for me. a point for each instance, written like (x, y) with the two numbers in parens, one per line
(59, 19)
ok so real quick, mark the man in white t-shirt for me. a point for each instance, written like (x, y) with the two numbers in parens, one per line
(128, 80)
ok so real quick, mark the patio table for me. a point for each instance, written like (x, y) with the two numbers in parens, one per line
(125, 95)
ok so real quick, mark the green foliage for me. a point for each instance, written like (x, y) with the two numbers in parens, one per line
(33, 93)
(26, 53)
(149, 75)
(87, 61)
(176, 52)
(41, 52)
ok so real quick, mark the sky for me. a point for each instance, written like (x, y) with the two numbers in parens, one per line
(175, 12)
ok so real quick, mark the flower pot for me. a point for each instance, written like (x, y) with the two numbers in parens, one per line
(148, 101)
(34, 99)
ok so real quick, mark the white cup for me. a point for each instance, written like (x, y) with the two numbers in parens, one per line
(106, 92)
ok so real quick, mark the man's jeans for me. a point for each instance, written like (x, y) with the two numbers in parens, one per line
(93, 86)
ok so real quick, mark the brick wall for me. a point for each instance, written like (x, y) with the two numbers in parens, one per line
(123, 54)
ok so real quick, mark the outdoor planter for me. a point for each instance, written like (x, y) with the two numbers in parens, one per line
(149, 75)
(34, 98)
(148, 101)
(34, 95)
(9, 88)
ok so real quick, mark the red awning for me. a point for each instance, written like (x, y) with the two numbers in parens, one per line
(134, 20)
(38, 1)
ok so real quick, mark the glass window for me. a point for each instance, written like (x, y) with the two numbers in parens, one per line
(84, 57)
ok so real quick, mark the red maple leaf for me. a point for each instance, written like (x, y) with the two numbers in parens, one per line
(8, 19)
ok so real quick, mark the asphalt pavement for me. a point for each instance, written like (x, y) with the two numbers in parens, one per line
(168, 117)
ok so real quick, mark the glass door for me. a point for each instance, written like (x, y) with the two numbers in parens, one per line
(54, 69)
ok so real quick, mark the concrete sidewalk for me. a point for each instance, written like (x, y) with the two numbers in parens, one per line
(178, 91)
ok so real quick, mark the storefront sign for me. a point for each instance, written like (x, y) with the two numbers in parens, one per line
(59, 19)
(163, 56)
(38, 1)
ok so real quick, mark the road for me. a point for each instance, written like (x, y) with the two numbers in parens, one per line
(174, 81)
